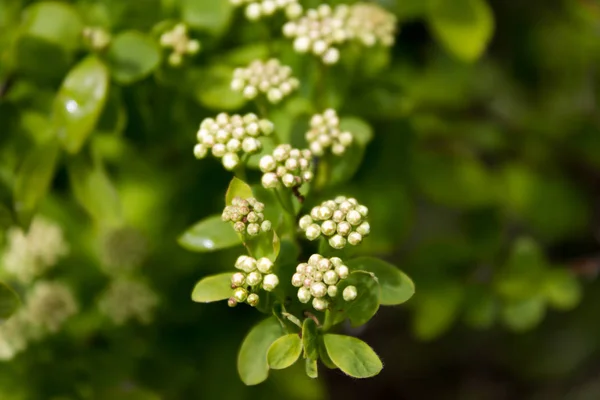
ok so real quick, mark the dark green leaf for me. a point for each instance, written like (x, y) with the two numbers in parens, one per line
(9, 301)
(79, 103)
(252, 361)
(360, 310)
(285, 351)
(353, 356)
(210, 234)
(132, 56)
(396, 286)
(310, 339)
(213, 288)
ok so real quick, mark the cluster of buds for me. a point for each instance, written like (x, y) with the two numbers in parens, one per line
(254, 274)
(256, 9)
(319, 31)
(270, 78)
(178, 40)
(325, 133)
(247, 216)
(288, 165)
(370, 23)
(229, 136)
(318, 279)
(126, 299)
(49, 305)
(97, 39)
(342, 220)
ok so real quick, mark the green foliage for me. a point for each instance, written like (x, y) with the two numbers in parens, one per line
(210, 234)
(9, 302)
(252, 362)
(353, 356)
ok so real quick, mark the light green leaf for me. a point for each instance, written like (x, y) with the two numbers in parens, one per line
(210, 234)
(34, 178)
(521, 316)
(323, 356)
(211, 87)
(310, 339)
(79, 103)
(213, 288)
(9, 301)
(396, 286)
(132, 56)
(360, 310)
(211, 16)
(464, 27)
(94, 191)
(311, 368)
(361, 130)
(285, 351)
(562, 289)
(237, 188)
(353, 356)
(252, 363)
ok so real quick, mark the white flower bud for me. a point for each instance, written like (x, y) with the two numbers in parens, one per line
(318, 289)
(267, 163)
(253, 11)
(302, 44)
(237, 85)
(238, 279)
(354, 238)
(240, 262)
(219, 150)
(274, 95)
(250, 145)
(297, 280)
(345, 206)
(313, 232)
(314, 259)
(253, 229)
(318, 276)
(240, 294)
(230, 161)
(320, 304)
(350, 293)
(248, 264)
(292, 164)
(354, 217)
(344, 228)
(328, 228)
(316, 148)
(270, 282)
(332, 291)
(364, 228)
(233, 146)
(324, 264)
(264, 265)
(288, 180)
(200, 151)
(270, 180)
(338, 216)
(346, 139)
(337, 242)
(314, 213)
(304, 295)
(336, 261)
(266, 226)
(330, 277)
(324, 213)
(304, 222)
(232, 302)
(252, 299)
(331, 56)
(268, 7)
(254, 278)
(363, 210)
(293, 11)
(342, 271)
(250, 92)
(307, 176)
(239, 227)
(301, 268)
(319, 47)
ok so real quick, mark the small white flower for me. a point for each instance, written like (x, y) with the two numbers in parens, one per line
(264, 265)
(252, 299)
(269, 78)
(304, 295)
(350, 293)
(254, 278)
(342, 271)
(325, 134)
(320, 304)
(230, 161)
(270, 282)
(313, 232)
(332, 291)
(240, 294)
(354, 238)
(178, 40)
(238, 279)
(337, 242)
(330, 277)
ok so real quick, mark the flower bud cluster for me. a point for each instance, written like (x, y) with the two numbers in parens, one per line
(317, 280)
(49, 305)
(325, 133)
(370, 23)
(319, 31)
(178, 40)
(253, 275)
(342, 220)
(228, 137)
(247, 216)
(96, 38)
(270, 78)
(127, 299)
(256, 9)
(290, 166)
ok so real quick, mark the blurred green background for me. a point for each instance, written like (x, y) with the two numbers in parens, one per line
(483, 182)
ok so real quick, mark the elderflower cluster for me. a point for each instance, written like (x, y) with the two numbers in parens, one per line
(49, 305)
(247, 216)
(288, 165)
(127, 299)
(318, 279)
(96, 38)
(270, 78)
(13, 337)
(228, 137)
(325, 133)
(32, 253)
(178, 40)
(255, 274)
(319, 31)
(256, 9)
(342, 220)
(370, 23)
(122, 250)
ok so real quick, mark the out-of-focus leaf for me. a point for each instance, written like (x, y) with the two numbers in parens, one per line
(343, 168)
(132, 56)
(523, 273)
(524, 315)
(310, 339)
(562, 289)
(285, 351)
(464, 27)
(211, 16)
(396, 286)
(237, 188)
(210, 234)
(9, 301)
(361, 131)
(436, 309)
(481, 308)
(353, 356)
(34, 178)
(252, 363)
(79, 103)
(213, 288)
(212, 88)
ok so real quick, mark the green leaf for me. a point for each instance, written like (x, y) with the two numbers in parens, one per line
(94, 191)
(396, 286)
(132, 56)
(9, 301)
(360, 310)
(562, 289)
(464, 27)
(210, 234)
(213, 288)
(285, 351)
(361, 130)
(353, 356)
(34, 178)
(481, 308)
(521, 316)
(311, 368)
(323, 356)
(252, 363)
(211, 16)
(211, 87)
(79, 103)
(310, 339)
(343, 168)
(237, 188)
(436, 309)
